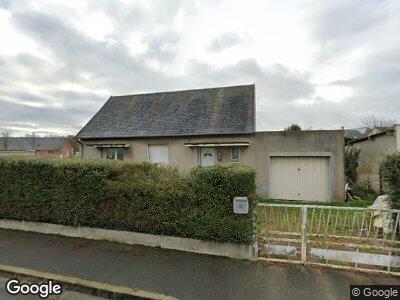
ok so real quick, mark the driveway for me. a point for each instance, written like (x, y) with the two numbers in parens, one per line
(175, 273)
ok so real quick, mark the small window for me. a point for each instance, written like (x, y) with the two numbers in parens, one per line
(235, 155)
(113, 153)
(158, 154)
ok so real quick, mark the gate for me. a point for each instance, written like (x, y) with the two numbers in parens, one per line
(347, 237)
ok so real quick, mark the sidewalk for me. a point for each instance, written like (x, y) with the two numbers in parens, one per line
(179, 274)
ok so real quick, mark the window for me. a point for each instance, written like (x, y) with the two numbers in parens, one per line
(235, 155)
(158, 154)
(113, 153)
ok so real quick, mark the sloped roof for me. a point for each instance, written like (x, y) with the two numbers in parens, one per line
(370, 135)
(27, 143)
(224, 110)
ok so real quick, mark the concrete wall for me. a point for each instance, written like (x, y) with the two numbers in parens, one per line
(256, 155)
(129, 237)
(372, 152)
(48, 153)
(306, 143)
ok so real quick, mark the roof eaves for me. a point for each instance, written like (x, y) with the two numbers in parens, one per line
(370, 136)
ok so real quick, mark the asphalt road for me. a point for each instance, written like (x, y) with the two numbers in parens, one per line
(66, 295)
(179, 274)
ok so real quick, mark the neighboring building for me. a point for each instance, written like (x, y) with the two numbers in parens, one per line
(379, 142)
(217, 126)
(36, 146)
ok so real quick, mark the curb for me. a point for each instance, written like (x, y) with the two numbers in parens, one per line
(82, 285)
(231, 250)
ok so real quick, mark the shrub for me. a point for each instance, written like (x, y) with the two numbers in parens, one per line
(390, 170)
(351, 156)
(124, 196)
(364, 190)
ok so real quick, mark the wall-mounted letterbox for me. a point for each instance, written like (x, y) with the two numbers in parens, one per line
(240, 205)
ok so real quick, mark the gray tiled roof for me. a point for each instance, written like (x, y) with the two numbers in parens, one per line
(26, 143)
(225, 110)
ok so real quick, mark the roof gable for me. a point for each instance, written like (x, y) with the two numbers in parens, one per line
(226, 110)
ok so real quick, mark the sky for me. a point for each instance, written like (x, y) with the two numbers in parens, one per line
(320, 64)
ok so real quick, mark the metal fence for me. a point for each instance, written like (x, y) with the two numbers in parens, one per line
(345, 236)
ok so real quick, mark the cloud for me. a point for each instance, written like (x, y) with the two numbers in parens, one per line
(162, 47)
(275, 84)
(344, 27)
(348, 64)
(225, 41)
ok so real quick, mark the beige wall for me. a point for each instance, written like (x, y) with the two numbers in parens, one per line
(256, 155)
(372, 152)
(328, 143)
(179, 154)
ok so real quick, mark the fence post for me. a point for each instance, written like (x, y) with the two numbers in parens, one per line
(304, 234)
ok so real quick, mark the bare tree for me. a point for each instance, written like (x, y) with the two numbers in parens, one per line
(5, 133)
(33, 136)
(73, 145)
(377, 120)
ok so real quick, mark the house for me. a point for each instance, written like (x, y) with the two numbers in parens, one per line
(205, 127)
(374, 146)
(37, 146)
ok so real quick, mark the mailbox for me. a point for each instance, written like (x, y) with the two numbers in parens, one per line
(240, 205)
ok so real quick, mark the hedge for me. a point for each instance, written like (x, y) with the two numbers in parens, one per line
(390, 170)
(125, 196)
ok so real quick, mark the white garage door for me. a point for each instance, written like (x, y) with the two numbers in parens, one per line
(299, 178)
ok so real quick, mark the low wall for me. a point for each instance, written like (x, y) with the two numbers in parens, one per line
(127, 237)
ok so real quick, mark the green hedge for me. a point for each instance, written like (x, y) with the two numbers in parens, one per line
(390, 168)
(125, 196)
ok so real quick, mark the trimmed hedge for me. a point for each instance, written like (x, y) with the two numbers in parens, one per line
(390, 168)
(125, 196)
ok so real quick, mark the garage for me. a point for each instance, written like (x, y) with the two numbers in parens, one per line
(299, 178)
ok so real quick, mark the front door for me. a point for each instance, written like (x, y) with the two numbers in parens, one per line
(208, 157)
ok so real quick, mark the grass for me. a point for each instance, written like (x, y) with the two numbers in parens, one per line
(335, 228)
(352, 203)
(351, 223)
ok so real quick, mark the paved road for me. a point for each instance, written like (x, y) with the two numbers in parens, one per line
(66, 295)
(179, 274)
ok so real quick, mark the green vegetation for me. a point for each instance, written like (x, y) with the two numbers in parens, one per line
(351, 203)
(351, 156)
(293, 128)
(364, 190)
(321, 221)
(138, 197)
(390, 168)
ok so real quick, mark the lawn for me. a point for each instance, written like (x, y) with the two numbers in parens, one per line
(352, 203)
(328, 221)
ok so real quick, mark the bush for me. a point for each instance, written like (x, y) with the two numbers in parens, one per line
(124, 196)
(351, 156)
(390, 170)
(364, 190)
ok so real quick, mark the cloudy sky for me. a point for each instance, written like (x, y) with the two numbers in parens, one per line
(322, 64)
